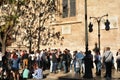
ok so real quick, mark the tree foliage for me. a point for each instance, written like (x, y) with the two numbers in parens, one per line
(29, 20)
(36, 18)
(8, 21)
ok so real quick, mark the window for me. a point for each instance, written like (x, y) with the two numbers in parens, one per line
(72, 7)
(65, 8)
(69, 8)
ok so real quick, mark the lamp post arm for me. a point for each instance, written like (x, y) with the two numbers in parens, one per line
(103, 16)
(98, 19)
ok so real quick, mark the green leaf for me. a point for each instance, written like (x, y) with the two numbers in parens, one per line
(12, 1)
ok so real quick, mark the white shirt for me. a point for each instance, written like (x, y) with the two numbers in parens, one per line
(1, 56)
(37, 56)
(32, 56)
(108, 56)
(118, 57)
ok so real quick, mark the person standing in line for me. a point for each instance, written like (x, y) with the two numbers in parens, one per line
(15, 66)
(37, 55)
(51, 63)
(25, 59)
(44, 59)
(77, 66)
(74, 60)
(54, 60)
(31, 59)
(97, 62)
(6, 65)
(79, 57)
(59, 52)
(108, 60)
(82, 62)
(64, 61)
(118, 60)
(88, 61)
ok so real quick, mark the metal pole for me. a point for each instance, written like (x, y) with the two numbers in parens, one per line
(86, 28)
(98, 34)
(87, 60)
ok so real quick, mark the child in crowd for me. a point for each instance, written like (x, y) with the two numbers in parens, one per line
(25, 74)
(38, 73)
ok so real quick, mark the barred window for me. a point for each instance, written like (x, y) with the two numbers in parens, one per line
(72, 7)
(69, 8)
(65, 8)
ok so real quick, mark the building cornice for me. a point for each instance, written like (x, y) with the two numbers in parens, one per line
(66, 23)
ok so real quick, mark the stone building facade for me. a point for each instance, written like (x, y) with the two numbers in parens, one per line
(71, 24)
(73, 27)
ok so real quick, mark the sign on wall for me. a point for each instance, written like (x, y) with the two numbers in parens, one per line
(66, 29)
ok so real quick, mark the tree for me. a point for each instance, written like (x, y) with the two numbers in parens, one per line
(29, 16)
(8, 21)
(36, 14)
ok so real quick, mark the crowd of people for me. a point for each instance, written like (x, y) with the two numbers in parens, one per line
(33, 64)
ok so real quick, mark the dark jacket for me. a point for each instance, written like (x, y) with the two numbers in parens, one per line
(54, 58)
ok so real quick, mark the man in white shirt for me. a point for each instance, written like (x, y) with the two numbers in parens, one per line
(108, 59)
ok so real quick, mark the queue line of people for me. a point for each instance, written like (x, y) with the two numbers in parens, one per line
(54, 60)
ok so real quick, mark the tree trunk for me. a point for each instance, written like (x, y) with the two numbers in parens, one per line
(30, 42)
(30, 47)
(3, 47)
(38, 39)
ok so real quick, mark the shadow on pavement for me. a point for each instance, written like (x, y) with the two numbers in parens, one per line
(71, 77)
(45, 75)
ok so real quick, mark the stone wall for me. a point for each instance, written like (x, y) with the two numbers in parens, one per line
(73, 28)
(75, 39)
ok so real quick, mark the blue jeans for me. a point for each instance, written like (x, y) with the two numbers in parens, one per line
(54, 67)
(74, 63)
(99, 65)
(64, 66)
(77, 70)
(59, 65)
(79, 61)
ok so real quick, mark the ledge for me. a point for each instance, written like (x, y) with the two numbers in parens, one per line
(65, 23)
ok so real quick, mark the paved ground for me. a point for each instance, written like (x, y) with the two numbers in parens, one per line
(73, 76)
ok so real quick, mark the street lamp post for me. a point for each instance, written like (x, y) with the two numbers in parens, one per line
(87, 60)
(98, 19)
(86, 28)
